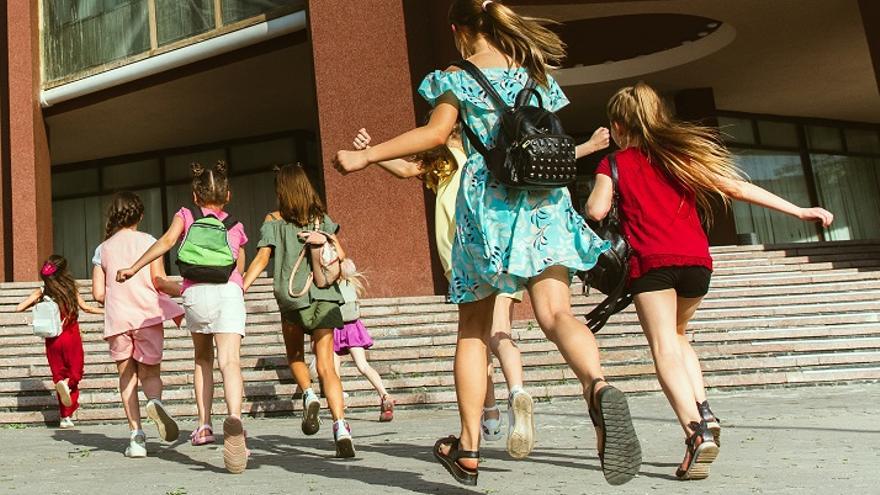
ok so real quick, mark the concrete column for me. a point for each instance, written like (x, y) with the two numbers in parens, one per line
(698, 105)
(29, 185)
(871, 19)
(362, 79)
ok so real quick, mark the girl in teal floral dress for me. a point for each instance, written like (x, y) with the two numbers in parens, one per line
(509, 239)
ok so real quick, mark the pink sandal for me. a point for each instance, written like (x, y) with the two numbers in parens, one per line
(197, 439)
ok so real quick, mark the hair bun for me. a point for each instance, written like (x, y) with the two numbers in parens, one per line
(220, 167)
(197, 169)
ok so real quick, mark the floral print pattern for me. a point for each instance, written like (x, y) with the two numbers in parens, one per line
(506, 236)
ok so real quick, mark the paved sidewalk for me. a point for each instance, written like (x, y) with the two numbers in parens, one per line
(787, 441)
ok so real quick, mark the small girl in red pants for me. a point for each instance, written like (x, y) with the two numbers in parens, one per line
(64, 352)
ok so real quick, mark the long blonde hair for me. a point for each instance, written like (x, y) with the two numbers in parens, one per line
(691, 153)
(438, 164)
(351, 275)
(525, 40)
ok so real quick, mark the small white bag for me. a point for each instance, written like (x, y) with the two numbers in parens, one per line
(47, 318)
(351, 308)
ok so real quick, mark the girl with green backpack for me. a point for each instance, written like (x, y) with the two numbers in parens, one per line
(211, 260)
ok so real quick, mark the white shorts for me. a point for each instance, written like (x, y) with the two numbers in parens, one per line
(214, 308)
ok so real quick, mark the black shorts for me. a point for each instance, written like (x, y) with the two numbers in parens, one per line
(688, 281)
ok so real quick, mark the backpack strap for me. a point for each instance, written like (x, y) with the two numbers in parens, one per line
(484, 83)
(196, 212)
(230, 222)
(529, 90)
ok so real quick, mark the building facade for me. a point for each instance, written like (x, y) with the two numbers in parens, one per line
(105, 95)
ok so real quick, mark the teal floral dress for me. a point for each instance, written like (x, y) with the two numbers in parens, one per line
(506, 236)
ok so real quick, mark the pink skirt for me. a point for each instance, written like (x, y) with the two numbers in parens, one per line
(352, 334)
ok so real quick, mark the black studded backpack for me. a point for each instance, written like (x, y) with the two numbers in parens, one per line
(532, 150)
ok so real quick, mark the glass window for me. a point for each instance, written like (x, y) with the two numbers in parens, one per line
(177, 167)
(737, 130)
(176, 20)
(262, 156)
(824, 138)
(778, 133)
(82, 34)
(862, 141)
(236, 10)
(780, 173)
(849, 187)
(73, 183)
(130, 175)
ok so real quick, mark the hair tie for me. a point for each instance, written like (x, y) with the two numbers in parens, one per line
(48, 269)
(486, 4)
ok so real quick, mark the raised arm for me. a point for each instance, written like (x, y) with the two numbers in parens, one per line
(159, 248)
(433, 134)
(30, 300)
(400, 168)
(600, 140)
(756, 195)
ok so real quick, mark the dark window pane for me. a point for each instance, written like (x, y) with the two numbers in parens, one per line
(236, 10)
(849, 187)
(130, 175)
(862, 141)
(73, 183)
(177, 167)
(262, 156)
(737, 130)
(82, 34)
(778, 133)
(176, 19)
(824, 138)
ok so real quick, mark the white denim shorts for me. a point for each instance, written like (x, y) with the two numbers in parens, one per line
(214, 308)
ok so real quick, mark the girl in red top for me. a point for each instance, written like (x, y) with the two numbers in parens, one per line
(668, 173)
(64, 352)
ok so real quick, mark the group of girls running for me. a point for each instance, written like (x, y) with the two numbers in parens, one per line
(495, 243)
(137, 303)
(507, 240)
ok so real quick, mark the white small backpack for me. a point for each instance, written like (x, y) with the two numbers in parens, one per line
(351, 308)
(47, 318)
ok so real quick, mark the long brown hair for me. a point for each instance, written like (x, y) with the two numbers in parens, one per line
(60, 285)
(298, 201)
(125, 210)
(211, 186)
(691, 153)
(439, 164)
(525, 40)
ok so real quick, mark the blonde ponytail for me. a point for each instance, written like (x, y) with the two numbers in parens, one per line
(691, 153)
(525, 40)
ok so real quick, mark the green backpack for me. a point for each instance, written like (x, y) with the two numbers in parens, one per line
(204, 255)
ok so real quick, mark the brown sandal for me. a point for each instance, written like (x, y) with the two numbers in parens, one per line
(713, 422)
(701, 451)
(450, 459)
(621, 453)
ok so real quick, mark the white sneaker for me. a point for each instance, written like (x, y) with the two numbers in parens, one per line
(168, 429)
(491, 427)
(521, 424)
(311, 406)
(64, 393)
(66, 422)
(137, 445)
(342, 438)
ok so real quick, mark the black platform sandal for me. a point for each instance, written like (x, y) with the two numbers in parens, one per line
(449, 460)
(713, 423)
(621, 453)
(701, 452)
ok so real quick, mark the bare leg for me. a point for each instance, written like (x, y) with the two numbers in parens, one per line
(657, 314)
(686, 309)
(330, 384)
(502, 344)
(128, 389)
(151, 381)
(360, 360)
(203, 352)
(228, 357)
(474, 325)
(294, 345)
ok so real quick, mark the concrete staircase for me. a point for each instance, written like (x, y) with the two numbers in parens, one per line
(776, 316)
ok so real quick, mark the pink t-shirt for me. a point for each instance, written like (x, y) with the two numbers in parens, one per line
(236, 237)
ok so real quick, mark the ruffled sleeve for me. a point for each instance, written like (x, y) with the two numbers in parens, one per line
(556, 98)
(269, 234)
(437, 84)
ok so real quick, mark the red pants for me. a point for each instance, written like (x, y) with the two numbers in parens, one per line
(65, 355)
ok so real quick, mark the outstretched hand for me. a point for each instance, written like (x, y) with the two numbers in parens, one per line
(600, 139)
(820, 215)
(347, 162)
(123, 275)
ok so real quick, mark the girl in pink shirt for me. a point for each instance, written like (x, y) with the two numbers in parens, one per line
(215, 311)
(133, 317)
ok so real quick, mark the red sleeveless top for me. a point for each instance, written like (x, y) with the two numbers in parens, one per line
(659, 216)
